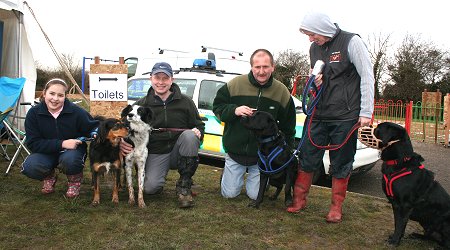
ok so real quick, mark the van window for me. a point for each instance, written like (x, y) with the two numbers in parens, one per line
(187, 86)
(138, 88)
(208, 91)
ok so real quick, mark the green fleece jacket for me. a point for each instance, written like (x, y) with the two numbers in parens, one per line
(273, 97)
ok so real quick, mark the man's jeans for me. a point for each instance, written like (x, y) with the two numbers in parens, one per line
(233, 179)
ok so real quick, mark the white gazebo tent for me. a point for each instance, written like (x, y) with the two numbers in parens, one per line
(16, 55)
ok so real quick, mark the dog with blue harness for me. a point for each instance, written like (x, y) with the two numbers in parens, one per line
(277, 161)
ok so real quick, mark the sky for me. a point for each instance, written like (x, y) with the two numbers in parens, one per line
(137, 28)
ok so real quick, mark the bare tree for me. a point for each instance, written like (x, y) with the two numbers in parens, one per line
(73, 66)
(289, 64)
(415, 65)
(444, 84)
(378, 46)
(45, 73)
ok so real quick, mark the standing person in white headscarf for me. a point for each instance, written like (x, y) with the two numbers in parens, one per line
(347, 99)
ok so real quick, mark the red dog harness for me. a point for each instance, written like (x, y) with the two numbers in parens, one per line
(390, 178)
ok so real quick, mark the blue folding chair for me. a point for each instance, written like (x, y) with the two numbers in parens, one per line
(10, 90)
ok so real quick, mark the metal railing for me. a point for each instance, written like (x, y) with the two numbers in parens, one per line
(424, 122)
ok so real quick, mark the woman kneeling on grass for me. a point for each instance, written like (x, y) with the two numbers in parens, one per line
(52, 128)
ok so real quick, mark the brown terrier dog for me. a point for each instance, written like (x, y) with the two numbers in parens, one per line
(105, 157)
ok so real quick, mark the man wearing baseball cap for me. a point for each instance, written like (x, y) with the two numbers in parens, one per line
(176, 137)
(162, 67)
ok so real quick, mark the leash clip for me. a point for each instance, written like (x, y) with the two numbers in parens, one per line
(82, 138)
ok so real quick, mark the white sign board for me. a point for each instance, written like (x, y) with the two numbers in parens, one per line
(108, 87)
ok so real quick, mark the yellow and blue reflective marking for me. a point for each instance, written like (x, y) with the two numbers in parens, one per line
(212, 140)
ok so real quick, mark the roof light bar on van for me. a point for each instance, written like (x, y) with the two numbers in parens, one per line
(205, 48)
(204, 64)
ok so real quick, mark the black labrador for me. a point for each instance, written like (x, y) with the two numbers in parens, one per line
(277, 163)
(410, 188)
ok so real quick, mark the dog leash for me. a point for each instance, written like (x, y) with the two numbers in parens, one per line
(267, 160)
(82, 138)
(170, 129)
(332, 146)
(316, 93)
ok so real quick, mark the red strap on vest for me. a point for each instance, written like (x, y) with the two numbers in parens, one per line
(389, 180)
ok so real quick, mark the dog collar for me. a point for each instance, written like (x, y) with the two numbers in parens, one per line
(395, 162)
(367, 137)
(269, 139)
(389, 144)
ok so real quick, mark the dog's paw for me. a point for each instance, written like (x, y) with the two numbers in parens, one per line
(141, 204)
(95, 203)
(253, 204)
(288, 203)
(392, 240)
(418, 236)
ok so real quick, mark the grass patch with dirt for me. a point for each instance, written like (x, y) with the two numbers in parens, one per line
(31, 220)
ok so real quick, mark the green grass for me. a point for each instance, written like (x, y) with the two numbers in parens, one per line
(30, 220)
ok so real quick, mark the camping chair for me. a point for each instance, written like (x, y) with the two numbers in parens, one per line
(4, 136)
(10, 90)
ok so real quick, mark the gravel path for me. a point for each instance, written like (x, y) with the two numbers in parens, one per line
(437, 159)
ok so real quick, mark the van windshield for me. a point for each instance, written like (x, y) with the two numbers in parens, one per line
(208, 91)
(138, 88)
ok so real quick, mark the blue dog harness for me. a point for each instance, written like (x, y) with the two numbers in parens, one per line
(267, 160)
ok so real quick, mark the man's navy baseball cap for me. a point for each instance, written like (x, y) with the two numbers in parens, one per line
(162, 67)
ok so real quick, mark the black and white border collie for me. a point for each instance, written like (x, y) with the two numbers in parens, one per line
(138, 119)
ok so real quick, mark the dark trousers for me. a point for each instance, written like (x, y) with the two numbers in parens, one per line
(333, 133)
(158, 165)
(70, 162)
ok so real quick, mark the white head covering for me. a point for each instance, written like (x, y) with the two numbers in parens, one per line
(318, 23)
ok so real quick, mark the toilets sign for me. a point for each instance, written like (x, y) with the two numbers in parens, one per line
(108, 87)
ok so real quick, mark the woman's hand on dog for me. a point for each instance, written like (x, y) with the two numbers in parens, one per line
(71, 143)
(125, 147)
(244, 111)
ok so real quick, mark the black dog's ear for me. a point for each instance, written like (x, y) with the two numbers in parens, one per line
(146, 114)
(388, 132)
(102, 132)
(126, 110)
(271, 126)
(99, 118)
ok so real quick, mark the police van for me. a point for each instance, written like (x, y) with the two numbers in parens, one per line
(201, 82)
